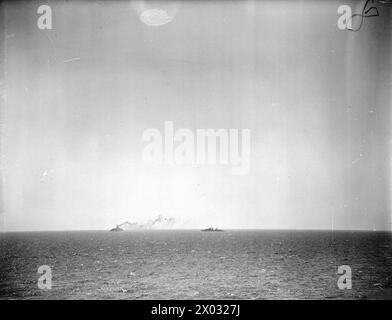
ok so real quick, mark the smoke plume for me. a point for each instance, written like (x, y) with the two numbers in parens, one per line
(158, 223)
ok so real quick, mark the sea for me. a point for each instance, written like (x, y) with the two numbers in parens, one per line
(190, 264)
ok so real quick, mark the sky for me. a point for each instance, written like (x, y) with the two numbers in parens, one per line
(77, 98)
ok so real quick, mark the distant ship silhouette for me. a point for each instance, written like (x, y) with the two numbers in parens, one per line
(117, 228)
(211, 229)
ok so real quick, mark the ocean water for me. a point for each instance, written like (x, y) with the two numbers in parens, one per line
(195, 265)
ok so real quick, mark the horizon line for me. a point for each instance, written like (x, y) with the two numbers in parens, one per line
(199, 229)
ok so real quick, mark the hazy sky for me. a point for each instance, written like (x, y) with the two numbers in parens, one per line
(77, 98)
